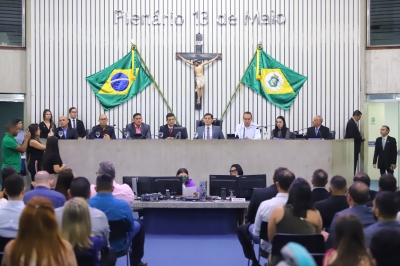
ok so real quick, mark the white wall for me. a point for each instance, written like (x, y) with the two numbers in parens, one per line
(320, 39)
(13, 71)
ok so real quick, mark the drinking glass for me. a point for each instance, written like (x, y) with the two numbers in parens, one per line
(97, 134)
(60, 133)
(160, 135)
(195, 135)
(126, 133)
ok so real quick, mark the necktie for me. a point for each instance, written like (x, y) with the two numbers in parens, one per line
(74, 123)
(170, 132)
(316, 132)
(208, 133)
(65, 134)
(383, 143)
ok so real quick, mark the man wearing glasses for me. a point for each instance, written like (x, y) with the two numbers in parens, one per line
(102, 130)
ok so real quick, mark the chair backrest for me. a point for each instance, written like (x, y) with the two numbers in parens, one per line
(216, 122)
(118, 229)
(264, 231)
(84, 257)
(292, 135)
(313, 243)
(333, 134)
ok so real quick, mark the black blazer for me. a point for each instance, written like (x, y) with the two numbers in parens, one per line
(259, 195)
(165, 130)
(319, 193)
(80, 127)
(323, 132)
(329, 207)
(108, 130)
(352, 132)
(71, 133)
(387, 156)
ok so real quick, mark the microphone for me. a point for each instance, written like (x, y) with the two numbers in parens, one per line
(118, 129)
(319, 131)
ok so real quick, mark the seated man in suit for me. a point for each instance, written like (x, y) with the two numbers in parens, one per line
(386, 150)
(209, 131)
(75, 123)
(387, 182)
(318, 130)
(335, 203)
(385, 247)
(168, 130)
(64, 132)
(386, 205)
(138, 127)
(357, 197)
(363, 177)
(259, 195)
(247, 129)
(102, 130)
(319, 180)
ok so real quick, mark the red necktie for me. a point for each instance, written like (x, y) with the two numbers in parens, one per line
(170, 131)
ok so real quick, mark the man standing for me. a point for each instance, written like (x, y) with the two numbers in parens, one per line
(385, 152)
(209, 131)
(198, 72)
(67, 132)
(352, 132)
(247, 129)
(168, 129)
(319, 180)
(75, 123)
(318, 130)
(102, 130)
(138, 127)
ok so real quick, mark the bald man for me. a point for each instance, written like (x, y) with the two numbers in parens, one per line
(43, 183)
(318, 130)
(63, 132)
(102, 130)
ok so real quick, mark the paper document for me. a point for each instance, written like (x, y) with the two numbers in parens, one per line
(188, 191)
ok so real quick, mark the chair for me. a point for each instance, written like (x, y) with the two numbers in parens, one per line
(264, 237)
(119, 232)
(292, 135)
(216, 122)
(314, 244)
(333, 134)
(3, 242)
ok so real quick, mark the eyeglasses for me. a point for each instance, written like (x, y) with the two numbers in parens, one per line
(103, 119)
(233, 171)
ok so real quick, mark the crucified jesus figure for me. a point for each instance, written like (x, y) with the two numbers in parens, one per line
(198, 72)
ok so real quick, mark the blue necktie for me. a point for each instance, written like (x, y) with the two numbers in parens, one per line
(208, 133)
(316, 132)
(383, 143)
(65, 133)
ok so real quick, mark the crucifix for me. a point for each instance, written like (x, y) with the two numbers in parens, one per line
(198, 56)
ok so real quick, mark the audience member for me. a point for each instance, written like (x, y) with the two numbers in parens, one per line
(43, 183)
(52, 162)
(123, 192)
(236, 169)
(385, 207)
(64, 180)
(319, 180)
(281, 131)
(363, 177)
(385, 248)
(298, 216)
(138, 127)
(357, 197)
(76, 229)
(63, 131)
(35, 151)
(283, 181)
(80, 187)
(349, 245)
(186, 181)
(14, 188)
(335, 203)
(47, 125)
(387, 182)
(117, 209)
(5, 172)
(38, 241)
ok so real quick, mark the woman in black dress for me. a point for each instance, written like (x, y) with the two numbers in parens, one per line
(34, 151)
(52, 162)
(47, 124)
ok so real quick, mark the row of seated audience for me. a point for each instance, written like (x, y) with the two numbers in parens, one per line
(351, 229)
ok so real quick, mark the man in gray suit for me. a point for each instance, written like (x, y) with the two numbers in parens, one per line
(209, 131)
(138, 127)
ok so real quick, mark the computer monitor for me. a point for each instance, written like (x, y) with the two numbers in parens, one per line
(247, 184)
(143, 184)
(182, 130)
(160, 184)
(229, 182)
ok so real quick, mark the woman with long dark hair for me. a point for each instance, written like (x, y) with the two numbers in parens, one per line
(52, 162)
(281, 131)
(64, 181)
(34, 151)
(349, 247)
(47, 124)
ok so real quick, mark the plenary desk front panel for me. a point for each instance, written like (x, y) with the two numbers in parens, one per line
(205, 157)
(191, 218)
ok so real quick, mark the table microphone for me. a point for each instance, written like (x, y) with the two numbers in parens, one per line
(118, 129)
(319, 131)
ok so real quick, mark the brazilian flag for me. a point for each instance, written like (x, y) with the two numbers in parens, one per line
(119, 82)
(275, 82)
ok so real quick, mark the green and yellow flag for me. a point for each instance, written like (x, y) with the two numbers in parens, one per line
(119, 82)
(275, 82)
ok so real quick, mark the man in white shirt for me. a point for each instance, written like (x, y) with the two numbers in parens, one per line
(248, 129)
(283, 181)
(14, 188)
(123, 191)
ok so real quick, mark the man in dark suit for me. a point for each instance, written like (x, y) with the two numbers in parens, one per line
(138, 127)
(319, 180)
(335, 203)
(67, 133)
(169, 130)
(259, 195)
(387, 182)
(352, 132)
(386, 150)
(75, 123)
(357, 197)
(102, 130)
(209, 131)
(363, 177)
(318, 130)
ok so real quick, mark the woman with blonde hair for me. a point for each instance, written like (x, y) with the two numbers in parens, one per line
(38, 241)
(76, 228)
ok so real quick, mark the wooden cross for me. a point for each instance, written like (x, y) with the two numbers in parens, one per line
(198, 55)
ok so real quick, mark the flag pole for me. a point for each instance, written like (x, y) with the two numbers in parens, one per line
(259, 47)
(134, 47)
